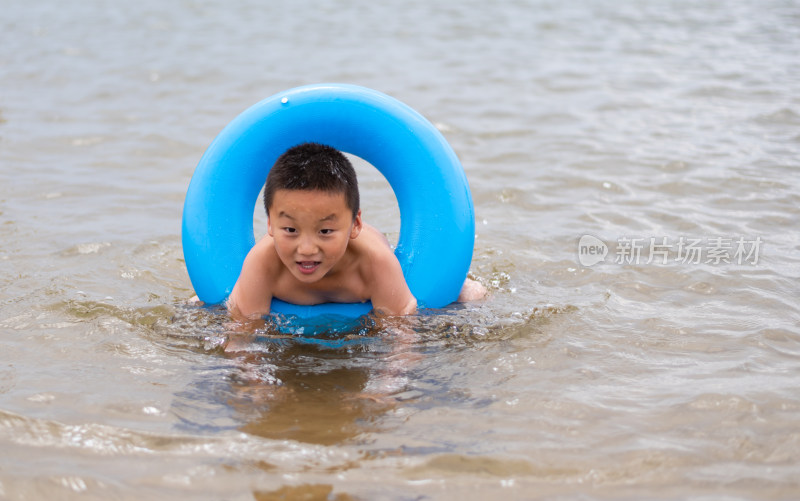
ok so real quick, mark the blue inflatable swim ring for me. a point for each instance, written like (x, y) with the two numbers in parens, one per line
(437, 222)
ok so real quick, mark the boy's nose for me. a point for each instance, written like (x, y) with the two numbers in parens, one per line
(307, 247)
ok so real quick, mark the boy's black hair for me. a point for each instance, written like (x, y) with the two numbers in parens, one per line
(313, 166)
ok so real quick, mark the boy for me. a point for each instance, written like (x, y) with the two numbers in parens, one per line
(317, 249)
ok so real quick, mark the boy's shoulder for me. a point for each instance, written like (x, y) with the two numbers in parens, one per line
(252, 292)
(373, 248)
(264, 256)
(383, 276)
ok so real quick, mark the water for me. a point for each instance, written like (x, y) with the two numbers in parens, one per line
(628, 379)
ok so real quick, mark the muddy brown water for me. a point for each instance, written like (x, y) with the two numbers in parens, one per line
(659, 139)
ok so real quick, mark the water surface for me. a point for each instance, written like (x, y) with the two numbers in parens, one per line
(645, 125)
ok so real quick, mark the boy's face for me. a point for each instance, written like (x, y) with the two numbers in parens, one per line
(311, 230)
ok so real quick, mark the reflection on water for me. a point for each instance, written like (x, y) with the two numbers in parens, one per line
(298, 401)
(307, 492)
(329, 389)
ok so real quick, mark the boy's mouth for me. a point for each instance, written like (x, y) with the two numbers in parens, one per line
(308, 267)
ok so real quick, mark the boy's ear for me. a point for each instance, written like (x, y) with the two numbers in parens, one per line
(269, 227)
(357, 225)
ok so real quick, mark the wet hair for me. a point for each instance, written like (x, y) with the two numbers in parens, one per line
(313, 166)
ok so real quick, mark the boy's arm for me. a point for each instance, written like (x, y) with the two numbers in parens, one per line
(391, 295)
(251, 296)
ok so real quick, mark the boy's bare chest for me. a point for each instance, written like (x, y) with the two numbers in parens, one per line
(346, 289)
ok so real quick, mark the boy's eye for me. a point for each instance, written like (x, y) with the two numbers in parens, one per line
(326, 231)
(290, 230)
